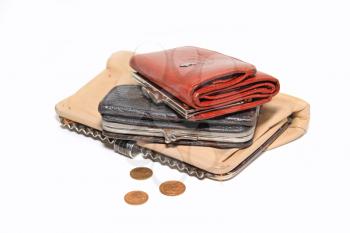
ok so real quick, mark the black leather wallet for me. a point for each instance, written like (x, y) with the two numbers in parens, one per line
(128, 114)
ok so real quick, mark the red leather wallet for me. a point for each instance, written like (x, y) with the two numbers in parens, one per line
(210, 82)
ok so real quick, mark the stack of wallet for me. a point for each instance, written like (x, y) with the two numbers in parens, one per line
(188, 96)
(193, 109)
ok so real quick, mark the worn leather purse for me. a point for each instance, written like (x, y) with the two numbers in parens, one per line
(202, 84)
(284, 119)
(128, 114)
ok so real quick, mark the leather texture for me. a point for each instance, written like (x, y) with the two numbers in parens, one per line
(126, 104)
(205, 79)
(128, 107)
(82, 107)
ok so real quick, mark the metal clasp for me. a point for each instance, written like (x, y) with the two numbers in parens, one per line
(126, 148)
(156, 97)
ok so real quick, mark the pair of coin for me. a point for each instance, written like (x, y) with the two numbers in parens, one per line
(168, 188)
(138, 197)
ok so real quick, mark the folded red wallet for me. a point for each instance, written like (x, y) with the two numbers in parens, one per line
(210, 83)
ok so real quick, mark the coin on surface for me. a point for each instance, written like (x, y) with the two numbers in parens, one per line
(172, 188)
(141, 173)
(136, 197)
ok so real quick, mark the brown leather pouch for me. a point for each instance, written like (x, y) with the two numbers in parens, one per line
(203, 84)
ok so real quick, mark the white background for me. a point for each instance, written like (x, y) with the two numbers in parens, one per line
(52, 180)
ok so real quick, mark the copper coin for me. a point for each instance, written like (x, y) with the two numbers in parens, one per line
(172, 188)
(141, 173)
(136, 197)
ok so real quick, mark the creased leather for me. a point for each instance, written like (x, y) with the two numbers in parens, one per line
(126, 104)
(205, 79)
(82, 107)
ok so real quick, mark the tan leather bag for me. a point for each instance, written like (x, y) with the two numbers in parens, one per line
(82, 108)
